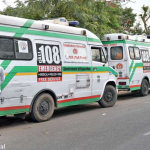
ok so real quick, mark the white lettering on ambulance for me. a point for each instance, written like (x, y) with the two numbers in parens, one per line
(49, 68)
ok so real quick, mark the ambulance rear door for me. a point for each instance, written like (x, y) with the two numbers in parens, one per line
(117, 59)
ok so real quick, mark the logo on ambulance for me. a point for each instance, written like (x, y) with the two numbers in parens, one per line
(23, 45)
(75, 51)
(119, 66)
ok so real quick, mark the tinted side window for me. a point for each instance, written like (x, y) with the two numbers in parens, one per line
(15, 49)
(116, 53)
(98, 54)
(7, 48)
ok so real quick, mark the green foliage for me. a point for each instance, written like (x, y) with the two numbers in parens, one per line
(98, 17)
(128, 18)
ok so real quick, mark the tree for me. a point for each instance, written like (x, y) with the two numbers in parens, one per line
(98, 17)
(128, 18)
(145, 18)
(24, 10)
(94, 15)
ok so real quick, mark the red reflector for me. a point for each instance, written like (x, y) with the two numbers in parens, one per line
(122, 83)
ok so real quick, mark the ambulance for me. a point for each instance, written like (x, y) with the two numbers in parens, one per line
(129, 55)
(49, 64)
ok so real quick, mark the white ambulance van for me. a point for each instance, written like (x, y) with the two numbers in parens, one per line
(129, 55)
(50, 66)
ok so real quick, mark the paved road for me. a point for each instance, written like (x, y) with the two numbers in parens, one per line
(126, 126)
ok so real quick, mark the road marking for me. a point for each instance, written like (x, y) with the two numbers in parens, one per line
(146, 134)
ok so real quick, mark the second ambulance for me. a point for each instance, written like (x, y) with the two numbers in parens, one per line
(129, 55)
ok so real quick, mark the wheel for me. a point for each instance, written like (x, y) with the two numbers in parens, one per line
(144, 88)
(109, 97)
(43, 108)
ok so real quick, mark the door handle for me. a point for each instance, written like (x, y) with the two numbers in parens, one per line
(88, 80)
(78, 81)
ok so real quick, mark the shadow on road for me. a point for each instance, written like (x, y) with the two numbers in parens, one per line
(127, 95)
(10, 121)
(75, 109)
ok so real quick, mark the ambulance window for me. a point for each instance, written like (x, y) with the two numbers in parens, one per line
(131, 51)
(98, 54)
(145, 55)
(23, 49)
(116, 53)
(137, 53)
(6, 48)
(134, 53)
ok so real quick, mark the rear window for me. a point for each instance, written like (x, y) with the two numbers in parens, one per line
(7, 48)
(15, 49)
(116, 53)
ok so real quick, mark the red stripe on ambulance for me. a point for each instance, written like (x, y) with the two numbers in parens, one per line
(79, 98)
(132, 86)
(14, 107)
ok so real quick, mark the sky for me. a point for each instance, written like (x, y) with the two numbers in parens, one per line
(2, 5)
(135, 5)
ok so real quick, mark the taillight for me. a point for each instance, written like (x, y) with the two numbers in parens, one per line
(122, 83)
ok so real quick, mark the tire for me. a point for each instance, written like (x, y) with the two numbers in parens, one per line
(144, 88)
(3, 117)
(109, 97)
(137, 91)
(43, 108)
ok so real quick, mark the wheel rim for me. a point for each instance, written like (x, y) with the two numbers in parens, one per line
(44, 107)
(145, 88)
(108, 96)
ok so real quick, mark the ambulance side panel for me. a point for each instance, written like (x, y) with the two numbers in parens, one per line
(139, 68)
(25, 78)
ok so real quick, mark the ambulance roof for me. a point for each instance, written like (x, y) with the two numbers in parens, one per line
(120, 36)
(24, 23)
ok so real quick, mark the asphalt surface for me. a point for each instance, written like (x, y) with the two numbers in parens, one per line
(126, 126)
